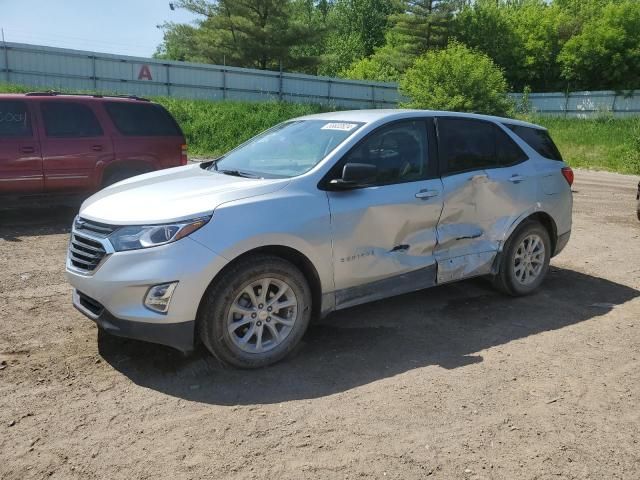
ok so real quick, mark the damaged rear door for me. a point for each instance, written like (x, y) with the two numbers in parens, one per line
(481, 195)
(384, 235)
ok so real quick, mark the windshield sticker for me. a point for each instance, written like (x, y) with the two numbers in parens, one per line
(345, 127)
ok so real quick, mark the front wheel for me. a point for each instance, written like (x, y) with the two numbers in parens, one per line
(525, 260)
(256, 312)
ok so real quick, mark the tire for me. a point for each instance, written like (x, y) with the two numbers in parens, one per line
(521, 281)
(228, 303)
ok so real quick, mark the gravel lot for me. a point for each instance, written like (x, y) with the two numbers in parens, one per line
(453, 382)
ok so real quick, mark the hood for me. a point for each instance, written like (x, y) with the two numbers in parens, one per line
(169, 195)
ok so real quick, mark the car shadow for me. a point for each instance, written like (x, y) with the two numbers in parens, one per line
(445, 326)
(44, 220)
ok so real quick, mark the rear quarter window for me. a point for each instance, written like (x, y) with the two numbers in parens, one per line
(142, 119)
(539, 140)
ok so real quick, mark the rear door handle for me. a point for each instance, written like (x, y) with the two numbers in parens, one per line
(28, 149)
(426, 194)
(516, 178)
(97, 148)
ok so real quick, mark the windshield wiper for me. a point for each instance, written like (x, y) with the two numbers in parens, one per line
(238, 173)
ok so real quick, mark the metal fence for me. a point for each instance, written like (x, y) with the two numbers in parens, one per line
(48, 67)
(583, 104)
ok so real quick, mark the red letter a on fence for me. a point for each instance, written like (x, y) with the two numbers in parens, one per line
(145, 73)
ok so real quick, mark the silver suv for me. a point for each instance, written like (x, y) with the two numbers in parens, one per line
(318, 214)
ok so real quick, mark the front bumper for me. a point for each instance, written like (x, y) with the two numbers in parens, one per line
(177, 335)
(120, 283)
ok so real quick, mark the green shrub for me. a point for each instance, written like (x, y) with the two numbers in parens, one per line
(459, 79)
(371, 68)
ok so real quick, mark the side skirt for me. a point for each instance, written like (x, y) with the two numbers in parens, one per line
(465, 266)
(389, 287)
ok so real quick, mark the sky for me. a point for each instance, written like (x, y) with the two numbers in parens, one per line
(127, 27)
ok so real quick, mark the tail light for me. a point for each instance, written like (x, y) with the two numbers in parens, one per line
(567, 173)
(183, 155)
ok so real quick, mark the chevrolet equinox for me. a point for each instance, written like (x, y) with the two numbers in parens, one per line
(314, 215)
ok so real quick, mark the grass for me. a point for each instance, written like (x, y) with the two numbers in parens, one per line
(213, 128)
(599, 144)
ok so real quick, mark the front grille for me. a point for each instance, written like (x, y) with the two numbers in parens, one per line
(84, 253)
(101, 230)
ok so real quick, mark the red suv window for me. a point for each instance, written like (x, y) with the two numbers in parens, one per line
(142, 119)
(14, 119)
(69, 119)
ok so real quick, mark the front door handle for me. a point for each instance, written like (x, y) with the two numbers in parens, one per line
(426, 194)
(516, 178)
(97, 148)
(28, 149)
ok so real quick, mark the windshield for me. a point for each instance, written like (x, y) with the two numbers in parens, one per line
(286, 150)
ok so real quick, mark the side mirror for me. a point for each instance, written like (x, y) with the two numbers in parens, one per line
(355, 175)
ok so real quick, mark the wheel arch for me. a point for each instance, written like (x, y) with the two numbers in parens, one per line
(295, 257)
(545, 220)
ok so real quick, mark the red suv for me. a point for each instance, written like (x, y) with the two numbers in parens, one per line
(54, 143)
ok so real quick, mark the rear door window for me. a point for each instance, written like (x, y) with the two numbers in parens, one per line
(539, 140)
(69, 120)
(142, 119)
(466, 144)
(14, 119)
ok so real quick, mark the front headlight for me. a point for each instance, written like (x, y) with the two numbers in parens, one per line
(145, 236)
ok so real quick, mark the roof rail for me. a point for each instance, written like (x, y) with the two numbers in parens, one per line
(54, 93)
(50, 93)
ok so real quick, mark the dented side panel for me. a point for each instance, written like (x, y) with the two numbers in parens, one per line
(383, 232)
(479, 209)
(466, 216)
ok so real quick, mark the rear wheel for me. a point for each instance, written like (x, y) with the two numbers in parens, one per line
(525, 260)
(256, 312)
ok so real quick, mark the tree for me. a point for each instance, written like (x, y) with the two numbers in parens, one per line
(523, 38)
(246, 33)
(424, 24)
(606, 53)
(356, 29)
(456, 78)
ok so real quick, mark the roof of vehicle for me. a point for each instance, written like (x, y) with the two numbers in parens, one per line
(76, 96)
(374, 115)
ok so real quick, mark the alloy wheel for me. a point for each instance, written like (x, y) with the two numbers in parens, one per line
(262, 315)
(528, 260)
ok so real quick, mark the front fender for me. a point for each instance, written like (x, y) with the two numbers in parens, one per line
(287, 218)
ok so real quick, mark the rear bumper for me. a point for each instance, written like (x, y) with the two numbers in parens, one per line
(176, 335)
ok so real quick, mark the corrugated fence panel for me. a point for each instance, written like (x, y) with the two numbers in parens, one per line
(627, 105)
(587, 103)
(47, 67)
(185, 76)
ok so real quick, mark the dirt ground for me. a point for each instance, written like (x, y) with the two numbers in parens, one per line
(456, 382)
